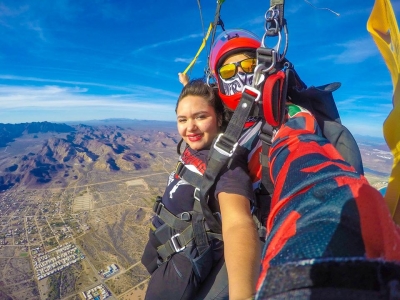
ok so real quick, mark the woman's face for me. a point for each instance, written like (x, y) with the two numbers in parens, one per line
(197, 122)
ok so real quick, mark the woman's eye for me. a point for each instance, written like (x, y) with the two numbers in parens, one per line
(181, 120)
(200, 117)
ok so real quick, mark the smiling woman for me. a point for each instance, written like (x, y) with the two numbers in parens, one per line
(180, 253)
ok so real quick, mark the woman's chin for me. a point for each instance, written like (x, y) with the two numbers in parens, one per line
(195, 146)
(199, 145)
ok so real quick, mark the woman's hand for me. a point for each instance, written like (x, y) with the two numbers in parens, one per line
(183, 78)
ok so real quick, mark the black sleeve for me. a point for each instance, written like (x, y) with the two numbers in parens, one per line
(235, 179)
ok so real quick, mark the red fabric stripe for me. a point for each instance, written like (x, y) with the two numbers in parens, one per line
(284, 233)
(279, 205)
(190, 159)
(280, 180)
(380, 234)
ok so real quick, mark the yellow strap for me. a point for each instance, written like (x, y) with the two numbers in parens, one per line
(382, 25)
(200, 49)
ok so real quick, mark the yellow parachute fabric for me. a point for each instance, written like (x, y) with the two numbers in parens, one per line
(383, 27)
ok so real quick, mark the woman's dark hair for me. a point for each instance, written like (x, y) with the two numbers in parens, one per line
(198, 87)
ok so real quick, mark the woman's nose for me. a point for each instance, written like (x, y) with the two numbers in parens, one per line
(191, 125)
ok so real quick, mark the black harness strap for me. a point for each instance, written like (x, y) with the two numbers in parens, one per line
(188, 175)
(196, 229)
(266, 138)
(222, 151)
(176, 243)
(199, 232)
(170, 219)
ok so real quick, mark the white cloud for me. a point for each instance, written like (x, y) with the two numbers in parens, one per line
(256, 21)
(7, 11)
(355, 51)
(167, 42)
(184, 60)
(34, 26)
(130, 88)
(373, 128)
(47, 97)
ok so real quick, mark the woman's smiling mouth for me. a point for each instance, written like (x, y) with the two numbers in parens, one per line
(194, 137)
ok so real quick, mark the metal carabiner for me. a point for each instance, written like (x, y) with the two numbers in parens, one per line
(282, 56)
(274, 13)
(261, 69)
(277, 46)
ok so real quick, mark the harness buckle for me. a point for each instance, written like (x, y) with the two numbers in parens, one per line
(222, 151)
(178, 168)
(252, 91)
(158, 205)
(185, 216)
(196, 195)
(175, 243)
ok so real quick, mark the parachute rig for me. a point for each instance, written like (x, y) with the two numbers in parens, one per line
(275, 80)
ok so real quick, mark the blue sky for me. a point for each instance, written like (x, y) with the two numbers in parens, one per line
(75, 60)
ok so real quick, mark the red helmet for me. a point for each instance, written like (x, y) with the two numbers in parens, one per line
(229, 42)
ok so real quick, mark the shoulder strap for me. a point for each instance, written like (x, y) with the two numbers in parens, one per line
(193, 178)
(223, 150)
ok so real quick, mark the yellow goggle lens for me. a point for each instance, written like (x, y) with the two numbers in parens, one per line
(227, 71)
(248, 65)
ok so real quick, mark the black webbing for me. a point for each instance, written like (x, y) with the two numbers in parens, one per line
(221, 153)
(193, 178)
(199, 233)
(266, 138)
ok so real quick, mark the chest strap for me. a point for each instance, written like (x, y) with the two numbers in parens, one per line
(179, 224)
(193, 178)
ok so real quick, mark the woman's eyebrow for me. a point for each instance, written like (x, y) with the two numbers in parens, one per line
(201, 112)
(195, 114)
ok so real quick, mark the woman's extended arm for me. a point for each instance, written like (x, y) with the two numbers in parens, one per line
(241, 245)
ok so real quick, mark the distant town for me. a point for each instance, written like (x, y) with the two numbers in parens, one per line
(47, 263)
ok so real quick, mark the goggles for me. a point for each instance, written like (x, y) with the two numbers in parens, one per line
(228, 71)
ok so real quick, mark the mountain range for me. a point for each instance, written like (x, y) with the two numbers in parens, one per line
(43, 152)
(49, 153)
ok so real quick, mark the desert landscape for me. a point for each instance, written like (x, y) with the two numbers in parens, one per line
(92, 187)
